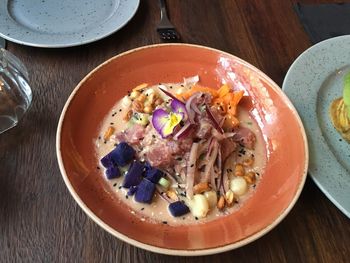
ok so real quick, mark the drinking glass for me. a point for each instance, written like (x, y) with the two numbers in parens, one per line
(15, 92)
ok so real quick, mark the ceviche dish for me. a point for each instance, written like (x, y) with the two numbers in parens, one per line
(181, 153)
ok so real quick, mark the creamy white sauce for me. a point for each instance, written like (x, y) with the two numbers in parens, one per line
(157, 211)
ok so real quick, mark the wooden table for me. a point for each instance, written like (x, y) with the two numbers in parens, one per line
(39, 220)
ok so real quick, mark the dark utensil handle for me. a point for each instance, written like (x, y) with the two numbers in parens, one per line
(163, 12)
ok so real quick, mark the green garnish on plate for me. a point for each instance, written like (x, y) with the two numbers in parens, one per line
(346, 92)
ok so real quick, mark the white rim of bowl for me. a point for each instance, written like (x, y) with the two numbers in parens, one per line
(182, 252)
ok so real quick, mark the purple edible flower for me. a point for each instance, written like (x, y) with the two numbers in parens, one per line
(178, 107)
(165, 122)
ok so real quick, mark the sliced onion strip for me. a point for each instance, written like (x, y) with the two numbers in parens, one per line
(191, 168)
(211, 161)
(215, 122)
(183, 132)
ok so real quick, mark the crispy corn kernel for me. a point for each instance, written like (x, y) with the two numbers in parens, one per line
(221, 203)
(229, 198)
(135, 94)
(248, 162)
(141, 98)
(201, 187)
(239, 170)
(172, 194)
(250, 177)
(108, 133)
(148, 109)
(128, 115)
(137, 106)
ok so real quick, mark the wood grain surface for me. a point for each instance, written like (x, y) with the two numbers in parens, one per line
(39, 220)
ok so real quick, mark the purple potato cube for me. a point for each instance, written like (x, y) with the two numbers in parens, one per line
(134, 175)
(106, 161)
(147, 166)
(178, 208)
(132, 190)
(122, 154)
(145, 192)
(112, 172)
(154, 175)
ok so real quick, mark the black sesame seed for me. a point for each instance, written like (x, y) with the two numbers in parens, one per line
(222, 109)
(142, 208)
(340, 140)
(115, 184)
(115, 144)
(126, 196)
(183, 218)
(165, 222)
(192, 165)
(120, 187)
(182, 85)
(99, 137)
(105, 142)
(171, 87)
(196, 218)
(98, 168)
(120, 110)
(178, 159)
(153, 136)
(112, 123)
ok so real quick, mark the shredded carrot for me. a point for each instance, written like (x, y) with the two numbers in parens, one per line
(218, 101)
(230, 122)
(198, 88)
(225, 89)
(141, 86)
(232, 109)
(238, 96)
(228, 98)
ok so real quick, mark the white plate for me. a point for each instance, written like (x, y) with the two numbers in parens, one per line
(312, 82)
(63, 23)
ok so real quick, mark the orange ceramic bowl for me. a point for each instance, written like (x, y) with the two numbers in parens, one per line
(283, 132)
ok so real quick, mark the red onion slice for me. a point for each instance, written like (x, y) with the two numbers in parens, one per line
(169, 94)
(215, 122)
(189, 106)
(184, 131)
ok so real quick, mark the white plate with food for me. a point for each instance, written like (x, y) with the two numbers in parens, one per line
(315, 83)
